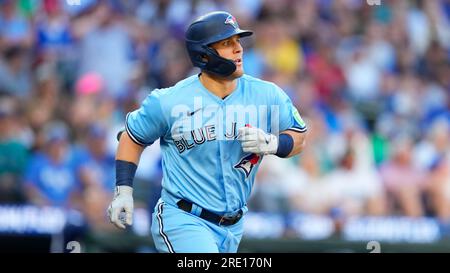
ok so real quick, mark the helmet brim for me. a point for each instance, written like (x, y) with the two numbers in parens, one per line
(244, 33)
(240, 32)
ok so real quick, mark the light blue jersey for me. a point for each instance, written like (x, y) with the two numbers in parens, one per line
(207, 165)
(203, 161)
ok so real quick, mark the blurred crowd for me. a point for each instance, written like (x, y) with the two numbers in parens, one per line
(371, 82)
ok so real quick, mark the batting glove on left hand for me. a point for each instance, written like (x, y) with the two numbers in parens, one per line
(255, 140)
(120, 211)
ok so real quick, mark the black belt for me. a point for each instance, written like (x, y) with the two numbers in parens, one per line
(210, 216)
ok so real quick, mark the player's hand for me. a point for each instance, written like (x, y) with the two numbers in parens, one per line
(120, 211)
(255, 140)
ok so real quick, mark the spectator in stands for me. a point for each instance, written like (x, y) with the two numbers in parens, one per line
(357, 189)
(13, 153)
(54, 37)
(404, 183)
(95, 173)
(106, 49)
(439, 189)
(275, 186)
(50, 176)
(15, 30)
(15, 76)
(316, 195)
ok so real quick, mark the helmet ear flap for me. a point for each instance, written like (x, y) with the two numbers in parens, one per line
(206, 53)
(201, 59)
(218, 65)
(208, 59)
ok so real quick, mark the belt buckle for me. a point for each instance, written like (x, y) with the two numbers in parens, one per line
(222, 219)
(232, 219)
(225, 218)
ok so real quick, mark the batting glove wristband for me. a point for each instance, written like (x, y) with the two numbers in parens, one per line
(120, 211)
(255, 140)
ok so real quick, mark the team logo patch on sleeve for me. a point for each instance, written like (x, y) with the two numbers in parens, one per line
(298, 118)
(247, 163)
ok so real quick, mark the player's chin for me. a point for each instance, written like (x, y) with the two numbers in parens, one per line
(237, 73)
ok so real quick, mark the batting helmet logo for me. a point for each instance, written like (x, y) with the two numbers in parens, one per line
(232, 21)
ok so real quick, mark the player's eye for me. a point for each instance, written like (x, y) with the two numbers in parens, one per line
(226, 43)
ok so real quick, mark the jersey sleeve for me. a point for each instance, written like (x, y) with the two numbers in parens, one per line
(289, 117)
(147, 123)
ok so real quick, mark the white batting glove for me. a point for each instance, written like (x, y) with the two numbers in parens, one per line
(255, 140)
(120, 211)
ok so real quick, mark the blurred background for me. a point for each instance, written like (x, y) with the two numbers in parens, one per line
(371, 81)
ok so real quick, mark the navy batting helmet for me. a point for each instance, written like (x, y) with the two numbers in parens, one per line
(206, 30)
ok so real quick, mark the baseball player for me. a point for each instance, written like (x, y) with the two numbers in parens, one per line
(214, 129)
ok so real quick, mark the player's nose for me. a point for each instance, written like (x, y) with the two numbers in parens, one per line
(238, 47)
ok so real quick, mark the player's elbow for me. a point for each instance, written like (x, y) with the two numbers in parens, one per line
(299, 144)
(302, 144)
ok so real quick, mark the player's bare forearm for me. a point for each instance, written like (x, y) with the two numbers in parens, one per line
(128, 150)
(120, 211)
(299, 142)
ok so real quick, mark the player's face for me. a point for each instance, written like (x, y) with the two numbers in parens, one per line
(231, 49)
